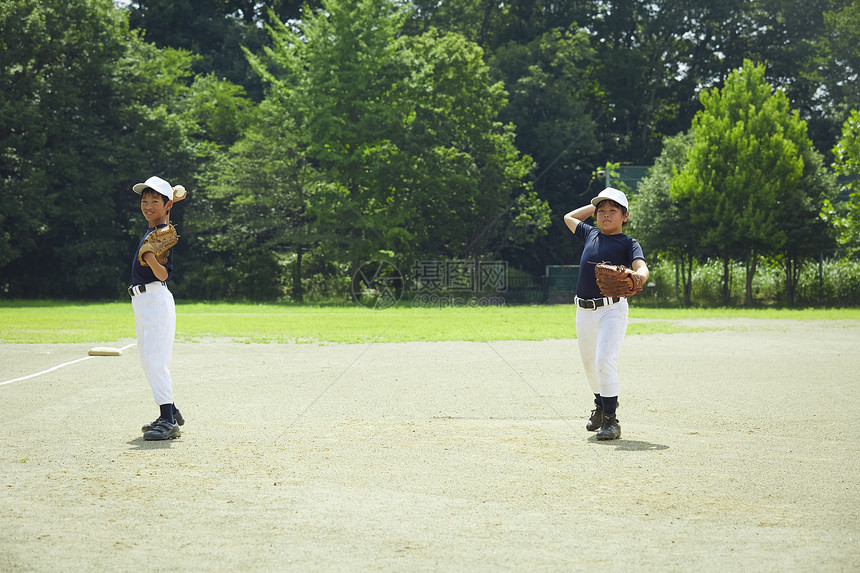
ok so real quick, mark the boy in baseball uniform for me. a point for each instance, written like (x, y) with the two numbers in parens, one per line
(154, 309)
(601, 321)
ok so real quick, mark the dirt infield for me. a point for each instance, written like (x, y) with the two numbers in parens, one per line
(740, 451)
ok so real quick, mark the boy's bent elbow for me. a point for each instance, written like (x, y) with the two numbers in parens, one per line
(160, 272)
(571, 222)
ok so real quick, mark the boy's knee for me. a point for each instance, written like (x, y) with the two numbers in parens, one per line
(606, 367)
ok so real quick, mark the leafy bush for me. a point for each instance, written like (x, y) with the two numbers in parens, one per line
(836, 283)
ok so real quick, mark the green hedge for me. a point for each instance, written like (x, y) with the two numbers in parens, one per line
(836, 284)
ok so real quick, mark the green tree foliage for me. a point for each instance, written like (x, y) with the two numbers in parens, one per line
(54, 61)
(807, 235)
(843, 70)
(491, 24)
(664, 224)
(810, 47)
(219, 111)
(655, 57)
(406, 129)
(553, 98)
(70, 140)
(214, 30)
(835, 71)
(746, 160)
(266, 201)
(91, 110)
(465, 155)
(846, 218)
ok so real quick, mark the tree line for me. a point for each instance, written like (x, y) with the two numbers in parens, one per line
(317, 136)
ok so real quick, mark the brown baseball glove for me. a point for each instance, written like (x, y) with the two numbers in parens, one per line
(159, 242)
(617, 280)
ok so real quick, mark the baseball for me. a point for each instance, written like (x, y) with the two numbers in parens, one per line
(178, 193)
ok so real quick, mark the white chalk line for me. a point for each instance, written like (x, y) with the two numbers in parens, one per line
(52, 369)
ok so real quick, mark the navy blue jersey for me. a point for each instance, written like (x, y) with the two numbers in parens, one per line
(616, 249)
(141, 275)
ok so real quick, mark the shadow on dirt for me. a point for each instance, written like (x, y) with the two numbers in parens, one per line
(629, 445)
(141, 444)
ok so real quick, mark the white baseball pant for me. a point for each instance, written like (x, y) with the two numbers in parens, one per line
(599, 334)
(155, 321)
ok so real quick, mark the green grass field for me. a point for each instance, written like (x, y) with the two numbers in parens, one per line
(63, 322)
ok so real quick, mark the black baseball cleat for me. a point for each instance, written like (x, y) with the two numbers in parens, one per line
(610, 429)
(176, 416)
(596, 420)
(162, 430)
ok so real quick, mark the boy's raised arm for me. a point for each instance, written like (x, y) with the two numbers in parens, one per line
(576, 216)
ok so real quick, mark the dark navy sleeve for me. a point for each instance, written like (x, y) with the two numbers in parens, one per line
(635, 251)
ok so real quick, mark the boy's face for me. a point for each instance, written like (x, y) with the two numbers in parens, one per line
(610, 217)
(154, 206)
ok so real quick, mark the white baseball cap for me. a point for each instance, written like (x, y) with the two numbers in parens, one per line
(156, 184)
(613, 194)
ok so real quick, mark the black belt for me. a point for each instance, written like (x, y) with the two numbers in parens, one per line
(140, 289)
(594, 303)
